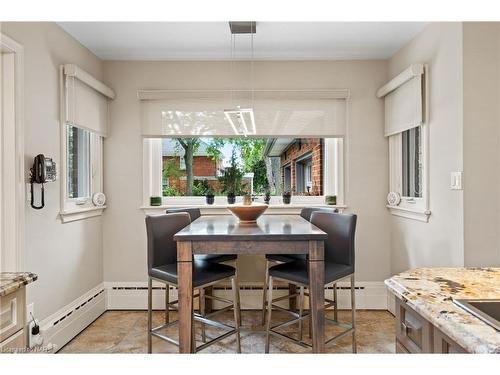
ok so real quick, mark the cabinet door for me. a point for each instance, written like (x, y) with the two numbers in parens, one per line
(444, 345)
(12, 317)
(412, 331)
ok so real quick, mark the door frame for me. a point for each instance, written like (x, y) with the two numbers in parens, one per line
(14, 190)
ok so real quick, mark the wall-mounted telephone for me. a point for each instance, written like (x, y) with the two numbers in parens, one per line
(42, 171)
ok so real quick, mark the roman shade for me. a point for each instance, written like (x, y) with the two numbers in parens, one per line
(312, 113)
(86, 100)
(404, 99)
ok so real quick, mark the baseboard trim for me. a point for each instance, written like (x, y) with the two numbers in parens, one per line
(370, 295)
(62, 326)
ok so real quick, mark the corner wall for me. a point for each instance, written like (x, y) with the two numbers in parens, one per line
(439, 242)
(481, 88)
(66, 257)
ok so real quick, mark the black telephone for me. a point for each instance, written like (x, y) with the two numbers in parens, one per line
(42, 171)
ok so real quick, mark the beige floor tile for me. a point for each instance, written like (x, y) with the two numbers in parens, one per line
(125, 332)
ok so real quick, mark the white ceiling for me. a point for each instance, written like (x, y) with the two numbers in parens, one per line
(273, 41)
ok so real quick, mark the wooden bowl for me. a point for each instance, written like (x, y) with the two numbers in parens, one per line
(247, 214)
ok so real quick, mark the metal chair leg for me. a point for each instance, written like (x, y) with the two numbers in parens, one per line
(167, 305)
(202, 313)
(269, 310)
(264, 293)
(238, 302)
(150, 313)
(237, 312)
(335, 305)
(301, 310)
(353, 315)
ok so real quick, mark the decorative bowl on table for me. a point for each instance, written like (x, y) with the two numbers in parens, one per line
(247, 214)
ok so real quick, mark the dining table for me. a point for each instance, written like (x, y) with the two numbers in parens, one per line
(270, 234)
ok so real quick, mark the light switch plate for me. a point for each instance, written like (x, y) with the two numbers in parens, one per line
(456, 181)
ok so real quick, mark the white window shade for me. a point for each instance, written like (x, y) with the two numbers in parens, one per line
(276, 113)
(404, 100)
(86, 101)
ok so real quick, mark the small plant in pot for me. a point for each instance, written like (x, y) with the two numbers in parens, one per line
(267, 196)
(232, 180)
(287, 197)
(210, 196)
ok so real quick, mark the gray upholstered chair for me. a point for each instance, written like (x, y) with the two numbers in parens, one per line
(339, 264)
(273, 259)
(162, 267)
(195, 213)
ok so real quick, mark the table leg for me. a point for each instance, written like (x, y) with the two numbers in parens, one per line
(317, 294)
(185, 277)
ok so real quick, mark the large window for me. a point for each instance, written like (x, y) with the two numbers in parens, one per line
(194, 167)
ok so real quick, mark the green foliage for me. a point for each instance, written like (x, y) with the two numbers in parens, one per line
(171, 191)
(260, 183)
(200, 188)
(171, 170)
(232, 178)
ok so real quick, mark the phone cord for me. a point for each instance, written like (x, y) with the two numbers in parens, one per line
(33, 200)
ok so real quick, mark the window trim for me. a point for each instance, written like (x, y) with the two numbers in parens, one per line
(409, 207)
(152, 178)
(69, 209)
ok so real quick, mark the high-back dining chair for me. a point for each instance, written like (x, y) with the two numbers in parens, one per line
(162, 267)
(273, 259)
(339, 264)
(195, 213)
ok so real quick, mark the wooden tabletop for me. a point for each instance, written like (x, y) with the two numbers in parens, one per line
(267, 228)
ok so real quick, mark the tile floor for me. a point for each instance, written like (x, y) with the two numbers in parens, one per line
(125, 332)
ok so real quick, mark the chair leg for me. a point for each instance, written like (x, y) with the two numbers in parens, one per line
(202, 313)
(335, 305)
(264, 294)
(150, 313)
(353, 315)
(237, 312)
(238, 302)
(269, 310)
(301, 310)
(167, 305)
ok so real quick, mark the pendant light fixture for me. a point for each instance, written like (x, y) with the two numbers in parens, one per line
(242, 120)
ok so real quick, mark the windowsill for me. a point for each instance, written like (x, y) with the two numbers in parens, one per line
(410, 213)
(81, 213)
(221, 209)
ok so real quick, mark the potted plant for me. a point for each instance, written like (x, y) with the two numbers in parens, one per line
(209, 196)
(287, 196)
(231, 180)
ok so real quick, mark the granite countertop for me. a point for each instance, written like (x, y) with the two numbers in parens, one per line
(10, 281)
(430, 292)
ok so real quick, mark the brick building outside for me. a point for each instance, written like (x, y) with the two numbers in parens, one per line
(204, 167)
(301, 164)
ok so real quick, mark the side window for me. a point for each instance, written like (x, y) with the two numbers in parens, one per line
(78, 163)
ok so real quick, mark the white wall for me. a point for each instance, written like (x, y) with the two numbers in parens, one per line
(440, 241)
(481, 143)
(66, 257)
(366, 164)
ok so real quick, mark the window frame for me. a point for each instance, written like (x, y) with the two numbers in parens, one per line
(333, 164)
(416, 208)
(80, 208)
